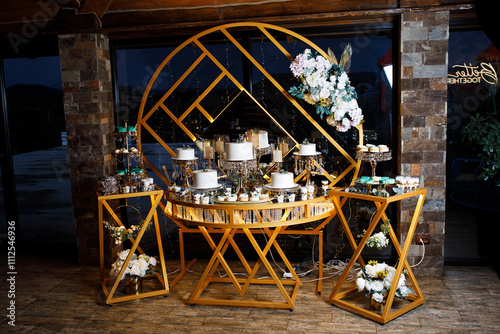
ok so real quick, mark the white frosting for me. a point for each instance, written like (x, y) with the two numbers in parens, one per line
(205, 178)
(263, 141)
(307, 149)
(239, 151)
(185, 153)
(282, 180)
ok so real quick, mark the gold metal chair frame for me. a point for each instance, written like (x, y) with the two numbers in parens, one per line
(382, 203)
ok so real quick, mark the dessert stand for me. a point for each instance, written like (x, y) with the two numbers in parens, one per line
(340, 298)
(242, 168)
(104, 204)
(176, 209)
(183, 169)
(374, 158)
(308, 165)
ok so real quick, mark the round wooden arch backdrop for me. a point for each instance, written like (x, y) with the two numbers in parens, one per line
(147, 114)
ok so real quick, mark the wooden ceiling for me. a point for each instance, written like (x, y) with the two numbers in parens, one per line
(139, 18)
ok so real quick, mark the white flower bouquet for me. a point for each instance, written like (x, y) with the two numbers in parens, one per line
(325, 84)
(376, 278)
(378, 240)
(139, 266)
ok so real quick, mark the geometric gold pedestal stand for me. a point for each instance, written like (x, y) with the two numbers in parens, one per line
(416, 299)
(248, 219)
(155, 196)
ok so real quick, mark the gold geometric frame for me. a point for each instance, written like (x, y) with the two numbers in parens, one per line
(266, 29)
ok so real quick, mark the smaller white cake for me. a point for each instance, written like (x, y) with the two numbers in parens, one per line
(282, 180)
(307, 149)
(185, 154)
(263, 140)
(239, 151)
(205, 178)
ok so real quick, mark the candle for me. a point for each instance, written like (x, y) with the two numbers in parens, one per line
(284, 147)
(219, 146)
(208, 152)
(277, 156)
(255, 139)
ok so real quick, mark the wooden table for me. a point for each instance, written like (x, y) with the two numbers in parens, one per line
(382, 203)
(247, 219)
(155, 196)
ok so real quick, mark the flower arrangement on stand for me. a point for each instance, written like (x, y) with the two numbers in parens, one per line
(325, 84)
(121, 233)
(378, 240)
(376, 278)
(138, 267)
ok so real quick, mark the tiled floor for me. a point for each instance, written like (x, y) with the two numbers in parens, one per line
(55, 295)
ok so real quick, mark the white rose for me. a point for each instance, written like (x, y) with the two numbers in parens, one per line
(142, 265)
(401, 281)
(123, 255)
(370, 270)
(342, 81)
(134, 271)
(377, 285)
(379, 298)
(368, 286)
(360, 283)
(152, 261)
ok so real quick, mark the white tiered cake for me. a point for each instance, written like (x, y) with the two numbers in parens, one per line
(185, 154)
(239, 151)
(307, 149)
(204, 179)
(282, 180)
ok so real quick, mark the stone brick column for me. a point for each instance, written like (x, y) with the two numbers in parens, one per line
(424, 71)
(88, 106)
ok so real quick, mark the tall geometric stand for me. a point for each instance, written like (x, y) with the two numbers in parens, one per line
(338, 297)
(155, 196)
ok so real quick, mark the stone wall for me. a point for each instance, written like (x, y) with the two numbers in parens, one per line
(88, 106)
(423, 96)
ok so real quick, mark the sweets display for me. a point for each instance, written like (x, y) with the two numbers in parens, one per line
(372, 148)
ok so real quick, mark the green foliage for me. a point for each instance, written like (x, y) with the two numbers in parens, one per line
(483, 132)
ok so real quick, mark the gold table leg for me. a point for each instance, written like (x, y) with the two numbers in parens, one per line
(241, 284)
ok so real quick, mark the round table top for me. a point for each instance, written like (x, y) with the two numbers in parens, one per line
(263, 214)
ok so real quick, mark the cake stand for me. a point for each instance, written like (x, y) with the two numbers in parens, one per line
(374, 158)
(183, 169)
(311, 164)
(242, 168)
(280, 190)
(260, 151)
(204, 191)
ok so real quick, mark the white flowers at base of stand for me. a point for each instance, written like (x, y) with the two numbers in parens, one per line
(376, 278)
(139, 266)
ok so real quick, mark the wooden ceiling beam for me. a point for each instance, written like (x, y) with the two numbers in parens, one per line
(97, 7)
